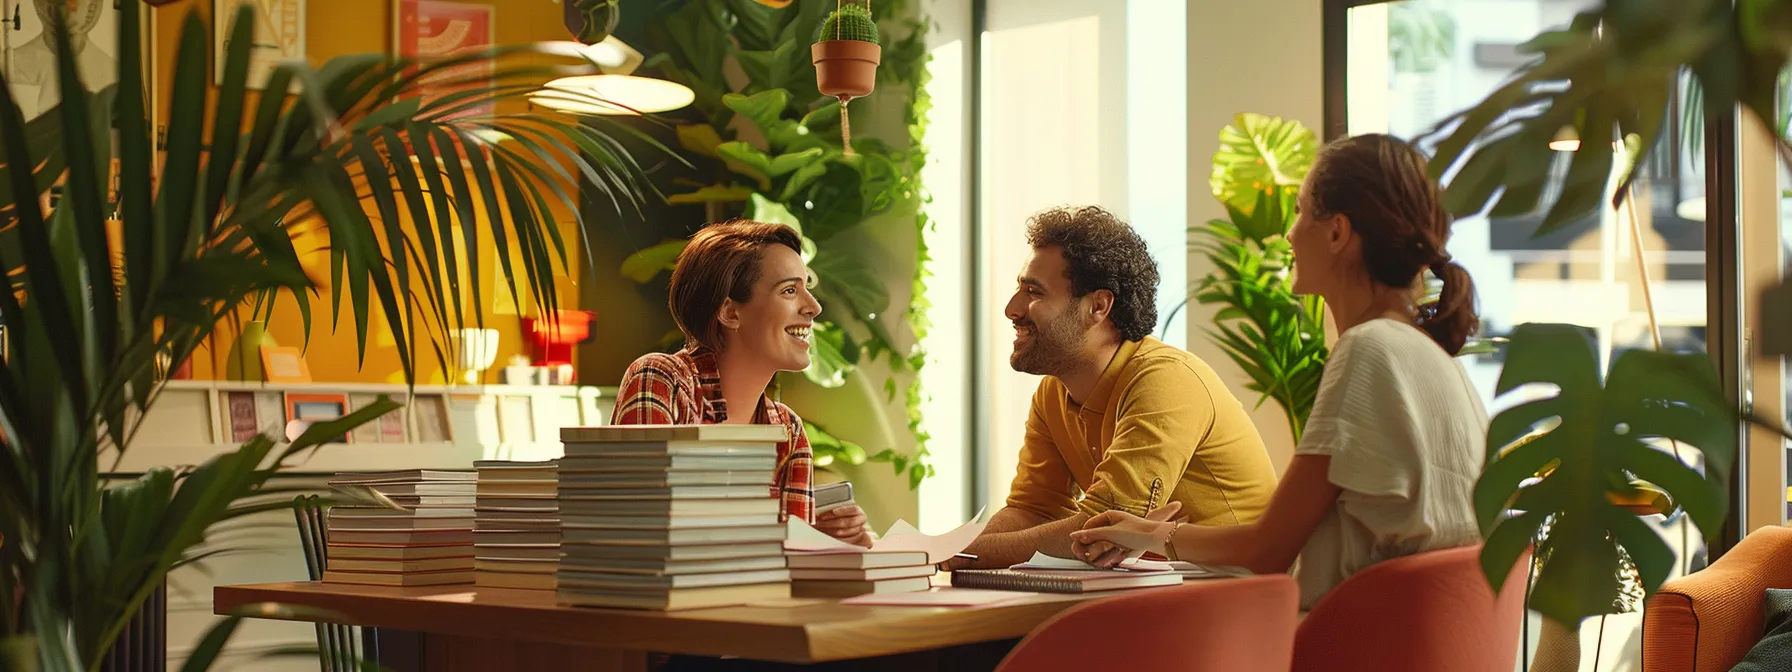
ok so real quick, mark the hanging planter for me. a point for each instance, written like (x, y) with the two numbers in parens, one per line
(590, 21)
(846, 54)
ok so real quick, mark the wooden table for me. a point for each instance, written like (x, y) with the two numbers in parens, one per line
(463, 628)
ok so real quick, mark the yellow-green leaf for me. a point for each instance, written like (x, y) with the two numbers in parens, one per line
(714, 193)
(699, 138)
(1259, 154)
(643, 265)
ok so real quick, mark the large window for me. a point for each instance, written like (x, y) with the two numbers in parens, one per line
(1081, 103)
(1403, 67)
(1413, 63)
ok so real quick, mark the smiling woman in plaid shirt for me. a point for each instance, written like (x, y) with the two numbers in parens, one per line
(740, 293)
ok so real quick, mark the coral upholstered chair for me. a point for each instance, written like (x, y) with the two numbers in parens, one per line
(1424, 612)
(1217, 625)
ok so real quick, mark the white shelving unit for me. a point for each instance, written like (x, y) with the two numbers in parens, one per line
(192, 421)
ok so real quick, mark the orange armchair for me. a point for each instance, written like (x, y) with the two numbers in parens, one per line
(1419, 613)
(1708, 620)
(1219, 625)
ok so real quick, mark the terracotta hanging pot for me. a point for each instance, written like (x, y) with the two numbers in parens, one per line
(845, 54)
(846, 69)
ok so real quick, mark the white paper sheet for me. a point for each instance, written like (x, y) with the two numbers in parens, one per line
(901, 537)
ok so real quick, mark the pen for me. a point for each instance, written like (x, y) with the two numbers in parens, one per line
(966, 556)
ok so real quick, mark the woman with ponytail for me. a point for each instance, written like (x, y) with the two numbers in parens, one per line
(1386, 466)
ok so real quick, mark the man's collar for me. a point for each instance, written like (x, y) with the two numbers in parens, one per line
(1104, 388)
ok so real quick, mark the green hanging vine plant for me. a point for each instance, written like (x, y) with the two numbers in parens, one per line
(776, 147)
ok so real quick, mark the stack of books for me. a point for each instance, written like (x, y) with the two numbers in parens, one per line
(848, 574)
(670, 517)
(516, 525)
(868, 573)
(420, 534)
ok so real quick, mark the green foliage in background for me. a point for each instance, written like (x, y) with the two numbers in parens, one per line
(88, 319)
(772, 146)
(1420, 38)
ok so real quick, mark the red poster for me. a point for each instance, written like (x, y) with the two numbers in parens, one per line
(430, 30)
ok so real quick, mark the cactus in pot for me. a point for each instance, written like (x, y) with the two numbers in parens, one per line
(846, 54)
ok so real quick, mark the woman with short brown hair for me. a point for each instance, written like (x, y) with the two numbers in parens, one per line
(740, 293)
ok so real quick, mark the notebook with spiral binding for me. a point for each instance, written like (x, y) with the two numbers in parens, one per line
(1061, 581)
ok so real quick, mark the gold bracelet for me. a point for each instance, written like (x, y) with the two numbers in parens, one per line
(1170, 541)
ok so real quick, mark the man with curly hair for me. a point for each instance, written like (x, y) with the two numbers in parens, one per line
(1121, 420)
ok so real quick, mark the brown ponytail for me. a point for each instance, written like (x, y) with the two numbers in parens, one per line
(1380, 183)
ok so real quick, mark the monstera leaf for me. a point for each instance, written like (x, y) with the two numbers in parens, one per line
(1612, 73)
(1261, 155)
(1586, 446)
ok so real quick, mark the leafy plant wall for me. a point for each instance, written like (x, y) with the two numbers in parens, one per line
(767, 146)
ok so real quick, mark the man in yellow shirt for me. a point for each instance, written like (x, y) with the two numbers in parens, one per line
(1121, 420)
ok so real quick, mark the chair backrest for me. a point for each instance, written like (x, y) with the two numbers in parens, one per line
(310, 512)
(1709, 619)
(336, 644)
(1429, 611)
(1210, 625)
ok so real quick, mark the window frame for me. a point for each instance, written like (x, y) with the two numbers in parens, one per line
(1723, 261)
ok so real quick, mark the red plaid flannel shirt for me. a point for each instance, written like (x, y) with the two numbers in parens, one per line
(686, 389)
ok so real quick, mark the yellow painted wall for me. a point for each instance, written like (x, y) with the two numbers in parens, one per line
(343, 27)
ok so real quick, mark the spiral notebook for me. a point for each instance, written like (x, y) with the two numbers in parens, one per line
(1061, 581)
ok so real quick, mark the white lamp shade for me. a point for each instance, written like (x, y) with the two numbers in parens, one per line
(615, 95)
(611, 56)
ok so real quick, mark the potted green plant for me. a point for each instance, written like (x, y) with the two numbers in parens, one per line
(846, 54)
(1567, 472)
(86, 320)
(1275, 337)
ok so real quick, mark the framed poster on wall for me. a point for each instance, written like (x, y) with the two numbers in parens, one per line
(432, 29)
(309, 409)
(279, 36)
(31, 64)
(241, 414)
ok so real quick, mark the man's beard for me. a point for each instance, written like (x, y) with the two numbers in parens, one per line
(1054, 346)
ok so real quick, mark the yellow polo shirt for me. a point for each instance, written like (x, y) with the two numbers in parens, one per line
(1159, 427)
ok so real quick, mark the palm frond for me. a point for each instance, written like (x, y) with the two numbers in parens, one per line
(399, 184)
